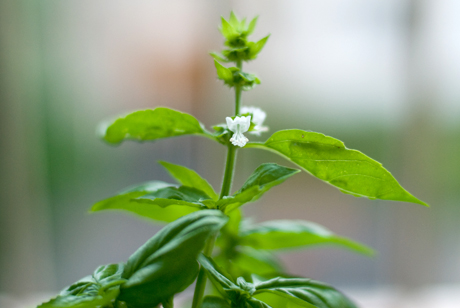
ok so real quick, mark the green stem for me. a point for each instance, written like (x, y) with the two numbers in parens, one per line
(201, 280)
(225, 191)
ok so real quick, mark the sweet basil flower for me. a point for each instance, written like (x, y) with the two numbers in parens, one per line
(239, 125)
(258, 118)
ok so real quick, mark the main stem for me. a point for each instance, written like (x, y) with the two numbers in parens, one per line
(225, 191)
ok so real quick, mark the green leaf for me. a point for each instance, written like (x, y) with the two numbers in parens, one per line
(223, 73)
(300, 292)
(252, 26)
(127, 200)
(263, 178)
(166, 264)
(255, 48)
(214, 302)
(148, 125)
(328, 159)
(218, 57)
(97, 290)
(188, 177)
(227, 30)
(216, 274)
(183, 195)
(258, 262)
(283, 234)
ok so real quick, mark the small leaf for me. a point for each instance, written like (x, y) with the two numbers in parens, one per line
(218, 57)
(166, 264)
(328, 159)
(223, 73)
(188, 177)
(214, 302)
(284, 234)
(227, 30)
(97, 290)
(263, 178)
(234, 20)
(252, 26)
(300, 292)
(183, 195)
(255, 48)
(148, 125)
(127, 200)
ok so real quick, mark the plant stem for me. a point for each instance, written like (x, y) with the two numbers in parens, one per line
(225, 191)
(201, 280)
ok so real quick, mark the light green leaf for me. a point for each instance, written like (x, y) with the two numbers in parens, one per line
(285, 234)
(218, 57)
(214, 302)
(127, 200)
(223, 73)
(148, 125)
(97, 290)
(300, 292)
(166, 264)
(263, 178)
(252, 26)
(329, 160)
(227, 30)
(255, 48)
(188, 177)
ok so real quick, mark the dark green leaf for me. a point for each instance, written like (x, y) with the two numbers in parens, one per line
(97, 290)
(300, 292)
(216, 274)
(183, 195)
(258, 262)
(166, 264)
(282, 234)
(127, 200)
(147, 125)
(214, 302)
(188, 177)
(329, 160)
(263, 178)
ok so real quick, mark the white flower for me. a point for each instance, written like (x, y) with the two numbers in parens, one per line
(258, 118)
(239, 126)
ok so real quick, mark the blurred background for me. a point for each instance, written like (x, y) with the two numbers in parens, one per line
(381, 75)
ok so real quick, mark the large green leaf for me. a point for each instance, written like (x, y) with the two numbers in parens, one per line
(261, 180)
(144, 125)
(188, 177)
(329, 160)
(300, 292)
(258, 262)
(97, 290)
(214, 302)
(166, 264)
(128, 200)
(283, 234)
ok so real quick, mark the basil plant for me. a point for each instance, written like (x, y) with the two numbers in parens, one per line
(244, 270)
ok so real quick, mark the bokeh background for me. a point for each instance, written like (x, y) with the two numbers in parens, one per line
(381, 75)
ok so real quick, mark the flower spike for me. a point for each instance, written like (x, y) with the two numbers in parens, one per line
(239, 125)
